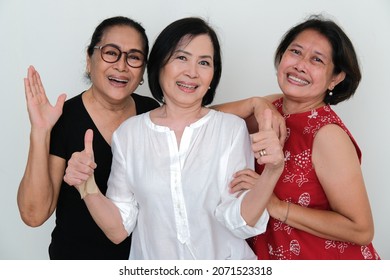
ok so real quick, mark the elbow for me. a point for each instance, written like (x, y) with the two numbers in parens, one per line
(32, 216)
(117, 236)
(32, 220)
(365, 238)
(117, 239)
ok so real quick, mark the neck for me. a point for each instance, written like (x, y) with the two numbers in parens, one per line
(110, 105)
(178, 118)
(290, 107)
(182, 113)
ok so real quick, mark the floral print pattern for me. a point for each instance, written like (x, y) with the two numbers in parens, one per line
(300, 185)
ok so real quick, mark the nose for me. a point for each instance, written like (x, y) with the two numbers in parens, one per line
(192, 70)
(121, 64)
(301, 64)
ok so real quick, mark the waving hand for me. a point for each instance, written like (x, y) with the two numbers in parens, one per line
(41, 113)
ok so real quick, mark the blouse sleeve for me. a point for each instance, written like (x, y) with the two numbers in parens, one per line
(119, 191)
(228, 212)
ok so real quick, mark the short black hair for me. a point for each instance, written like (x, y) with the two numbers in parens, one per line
(166, 44)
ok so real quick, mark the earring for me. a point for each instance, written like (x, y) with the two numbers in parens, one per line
(141, 82)
(330, 91)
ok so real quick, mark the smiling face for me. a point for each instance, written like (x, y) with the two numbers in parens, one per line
(187, 75)
(305, 72)
(116, 81)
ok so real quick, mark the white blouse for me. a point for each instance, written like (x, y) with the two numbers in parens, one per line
(175, 199)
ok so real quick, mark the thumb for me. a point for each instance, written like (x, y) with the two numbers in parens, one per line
(60, 102)
(88, 139)
(266, 120)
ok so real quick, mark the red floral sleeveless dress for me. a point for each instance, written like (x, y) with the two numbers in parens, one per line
(300, 185)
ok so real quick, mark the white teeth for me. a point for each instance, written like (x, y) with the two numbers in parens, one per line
(118, 80)
(186, 86)
(298, 80)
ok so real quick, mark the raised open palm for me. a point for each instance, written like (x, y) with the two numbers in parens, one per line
(41, 113)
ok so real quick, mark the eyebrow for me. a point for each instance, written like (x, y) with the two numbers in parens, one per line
(190, 54)
(129, 51)
(316, 52)
(136, 50)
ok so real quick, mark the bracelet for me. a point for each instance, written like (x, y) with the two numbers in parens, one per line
(288, 209)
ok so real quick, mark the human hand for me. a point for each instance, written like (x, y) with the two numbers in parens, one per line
(41, 113)
(266, 144)
(278, 122)
(81, 165)
(243, 180)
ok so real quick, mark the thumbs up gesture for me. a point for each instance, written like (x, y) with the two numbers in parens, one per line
(81, 166)
(266, 145)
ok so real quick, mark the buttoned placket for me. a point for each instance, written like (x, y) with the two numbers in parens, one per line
(179, 207)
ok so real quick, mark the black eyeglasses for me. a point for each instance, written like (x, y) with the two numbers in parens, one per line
(111, 54)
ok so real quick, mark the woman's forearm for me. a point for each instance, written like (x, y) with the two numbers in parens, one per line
(107, 216)
(37, 190)
(256, 200)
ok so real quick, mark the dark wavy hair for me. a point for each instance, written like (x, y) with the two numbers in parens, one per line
(166, 44)
(343, 55)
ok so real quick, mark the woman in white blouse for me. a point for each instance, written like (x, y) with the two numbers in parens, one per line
(169, 182)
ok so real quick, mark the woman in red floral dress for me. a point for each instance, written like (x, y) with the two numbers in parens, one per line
(320, 208)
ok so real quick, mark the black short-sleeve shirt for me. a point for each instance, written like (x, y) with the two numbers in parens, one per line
(76, 235)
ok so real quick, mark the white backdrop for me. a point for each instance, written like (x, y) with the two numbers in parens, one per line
(53, 36)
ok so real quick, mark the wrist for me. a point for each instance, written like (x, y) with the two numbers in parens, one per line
(284, 218)
(88, 187)
(257, 103)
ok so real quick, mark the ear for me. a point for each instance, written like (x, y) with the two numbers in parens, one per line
(88, 67)
(336, 80)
